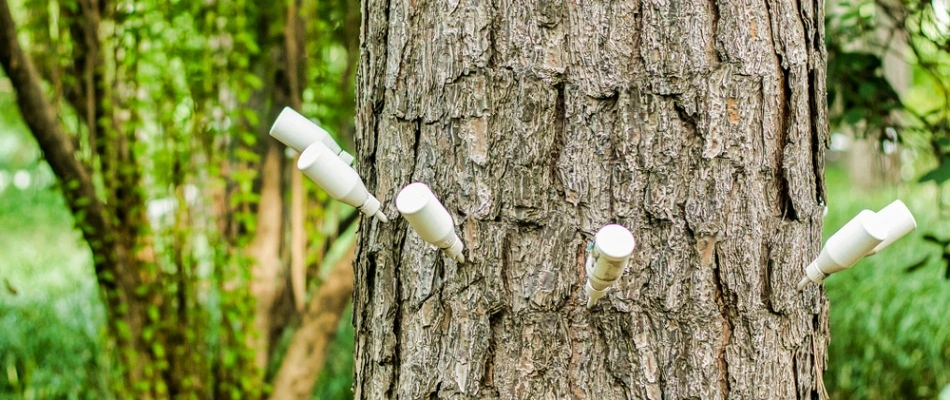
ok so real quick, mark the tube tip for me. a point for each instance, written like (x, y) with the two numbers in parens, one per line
(803, 283)
(455, 250)
(381, 217)
(593, 295)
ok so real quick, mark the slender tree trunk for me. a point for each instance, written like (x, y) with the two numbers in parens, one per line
(307, 351)
(701, 126)
(113, 228)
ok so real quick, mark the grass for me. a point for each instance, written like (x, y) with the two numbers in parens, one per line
(890, 336)
(49, 312)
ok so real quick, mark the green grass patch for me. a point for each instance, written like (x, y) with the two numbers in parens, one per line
(890, 328)
(50, 314)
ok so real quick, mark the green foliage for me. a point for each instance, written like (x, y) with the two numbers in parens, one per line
(860, 88)
(938, 175)
(889, 333)
(860, 36)
(50, 316)
(190, 89)
(336, 379)
(332, 48)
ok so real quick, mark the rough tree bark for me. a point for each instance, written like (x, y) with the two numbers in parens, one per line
(701, 126)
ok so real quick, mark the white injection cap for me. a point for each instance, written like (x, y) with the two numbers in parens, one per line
(614, 242)
(429, 218)
(298, 133)
(339, 180)
(899, 222)
(846, 247)
(613, 245)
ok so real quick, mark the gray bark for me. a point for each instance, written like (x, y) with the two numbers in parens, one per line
(701, 126)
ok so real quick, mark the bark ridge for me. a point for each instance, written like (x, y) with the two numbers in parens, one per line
(701, 126)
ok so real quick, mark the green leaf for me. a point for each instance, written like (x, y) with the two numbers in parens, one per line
(930, 237)
(867, 90)
(251, 116)
(153, 313)
(83, 201)
(159, 350)
(938, 175)
(253, 81)
(915, 266)
(854, 115)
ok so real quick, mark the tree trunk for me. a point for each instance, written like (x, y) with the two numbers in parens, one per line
(112, 228)
(307, 350)
(701, 126)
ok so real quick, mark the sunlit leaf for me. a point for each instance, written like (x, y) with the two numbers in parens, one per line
(938, 175)
(917, 265)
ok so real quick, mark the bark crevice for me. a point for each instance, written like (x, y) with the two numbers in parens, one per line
(602, 116)
(727, 324)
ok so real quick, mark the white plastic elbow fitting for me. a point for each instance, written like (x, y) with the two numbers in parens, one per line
(298, 133)
(339, 180)
(430, 219)
(899, 223)
(846, 247)
(612, 247)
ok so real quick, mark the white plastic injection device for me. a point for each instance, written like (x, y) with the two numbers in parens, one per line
(339, 180)
(899, 223)
(426, 214)
(612, 247)
(846, 247)
(298, 133)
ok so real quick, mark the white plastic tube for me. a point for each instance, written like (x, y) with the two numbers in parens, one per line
(429, 218)
(899, 223)
(339, 180)
(846, 247)
(298, 133)
(612, 247)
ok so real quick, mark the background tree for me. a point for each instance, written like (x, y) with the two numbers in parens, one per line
(136, 118)
(701, 126)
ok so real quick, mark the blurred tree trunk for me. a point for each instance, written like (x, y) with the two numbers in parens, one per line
(306, 353)
(701, 126)
(114, 225)
(155, 302)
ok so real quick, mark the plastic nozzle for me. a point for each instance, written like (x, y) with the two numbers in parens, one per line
(298, 133)
(899, 223)
(593, 295)
(430, 219)
(339, 180)
(612, 247)
(846, 247)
